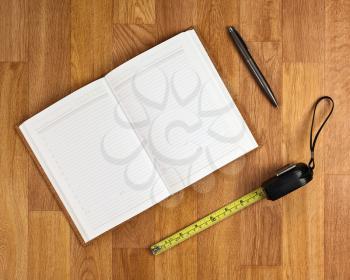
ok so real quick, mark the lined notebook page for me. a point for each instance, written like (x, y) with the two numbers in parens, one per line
(95, 162)
(181, 111)
(151, 127)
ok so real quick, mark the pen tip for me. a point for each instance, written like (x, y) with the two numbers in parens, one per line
(274, 101)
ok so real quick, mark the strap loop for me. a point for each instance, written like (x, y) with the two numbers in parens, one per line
(313, 141)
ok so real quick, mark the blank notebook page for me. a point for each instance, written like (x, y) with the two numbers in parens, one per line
(81, 147)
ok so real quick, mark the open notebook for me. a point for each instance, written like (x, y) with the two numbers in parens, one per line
(148, 129)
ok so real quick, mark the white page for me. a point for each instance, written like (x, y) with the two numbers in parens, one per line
(96, 165)
(181, 110)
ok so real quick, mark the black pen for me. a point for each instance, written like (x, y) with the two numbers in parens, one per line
(253, 68)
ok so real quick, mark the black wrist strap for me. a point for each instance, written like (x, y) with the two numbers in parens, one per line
(313, 141)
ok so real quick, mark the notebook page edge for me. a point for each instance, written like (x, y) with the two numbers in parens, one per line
(154, 49)
(24, 129)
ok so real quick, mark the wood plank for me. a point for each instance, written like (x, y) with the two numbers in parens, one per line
(171, 215)
(13, 30)
(265, 218)
(337, 227)
(303, 210)
(49, 245)
(14, 172)
(218, 247)
(134, 11)
(131, 234)
(337, 85)
(131, 40)
(261, 234)
(49, 76)
(91, 41)
(303, 31)
(260, 273)
(174, 16)
(91, 58)
(70, 43)
(261, 20)
(212, 19)
(93, 261)
(132, 264)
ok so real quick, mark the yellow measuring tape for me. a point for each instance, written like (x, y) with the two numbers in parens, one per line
(208, 221)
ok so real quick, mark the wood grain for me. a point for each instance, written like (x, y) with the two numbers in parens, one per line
(260, 273)
(303, 30)
(14, 172)
(49, 76)
(337, 67)
(133, 264)
(93, 261)
(172, 214)
(131, 234)
(174, 16)
(337, 226)
(49, 242)
(216, 190)
(134, 11)
(131, 40)
(13, 30)
(265, 218)
(90, 27)
(50, 48)
(212, 19)
(303, 254)
(224, 239)
(261, 21)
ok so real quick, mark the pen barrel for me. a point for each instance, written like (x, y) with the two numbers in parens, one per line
(261, 81)
(259, 78)
(252, 66)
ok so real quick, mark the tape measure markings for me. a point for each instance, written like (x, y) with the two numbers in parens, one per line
(208, 221)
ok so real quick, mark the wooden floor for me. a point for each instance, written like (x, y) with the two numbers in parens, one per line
(49, 48)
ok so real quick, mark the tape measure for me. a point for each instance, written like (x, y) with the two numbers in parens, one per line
(286, 180)
(208, 221)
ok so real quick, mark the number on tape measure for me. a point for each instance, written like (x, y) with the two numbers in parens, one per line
(208, 221)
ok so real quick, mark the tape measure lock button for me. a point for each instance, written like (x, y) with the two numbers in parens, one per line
(285, 169)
